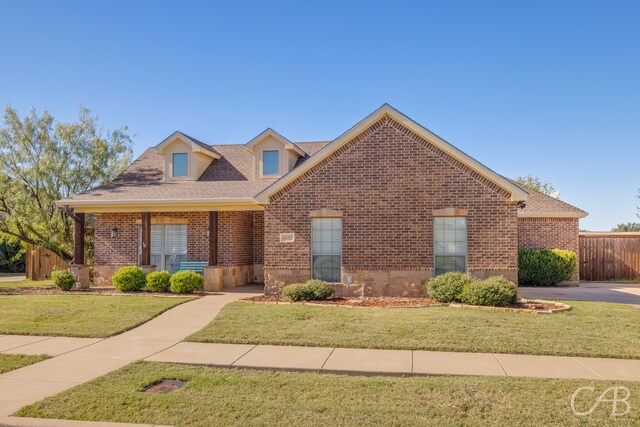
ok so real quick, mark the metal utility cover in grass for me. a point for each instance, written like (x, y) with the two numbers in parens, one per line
(164, 386)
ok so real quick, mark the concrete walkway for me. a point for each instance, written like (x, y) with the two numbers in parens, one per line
(397, 362)
(78, 360)
(622, 293)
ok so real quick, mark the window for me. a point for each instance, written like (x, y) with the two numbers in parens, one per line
(180, 164)
(168, 245)
(450, 244)
(326, 248)
(270, 162)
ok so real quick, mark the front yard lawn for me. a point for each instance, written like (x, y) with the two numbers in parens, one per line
(27, 283)
(9, 362)
(590, 329)
(78, 315)
(244, 397)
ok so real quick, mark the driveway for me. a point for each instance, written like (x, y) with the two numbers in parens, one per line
(622, 293)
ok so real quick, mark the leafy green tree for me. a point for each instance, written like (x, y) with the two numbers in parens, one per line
(42, 161)
(12, 255)
(629, 226)
(536, 183)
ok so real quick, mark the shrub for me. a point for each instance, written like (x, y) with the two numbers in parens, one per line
(545, 267)
(186, 282)
(495, 291)
(320, 289)
(309, 291)
(158, 281)
(448, 286)
(63, 279)
(296, 292)
(129, 279)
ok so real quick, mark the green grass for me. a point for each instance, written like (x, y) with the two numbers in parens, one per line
(590, 329)
(26, 283)
(9, 362)
(78, 315)
(244, 397)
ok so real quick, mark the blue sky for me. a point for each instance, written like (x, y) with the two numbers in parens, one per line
(544, 88)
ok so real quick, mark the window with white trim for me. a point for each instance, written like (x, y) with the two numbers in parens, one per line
(450, 244)
(326, 248)
(270, 162)
(168, 245)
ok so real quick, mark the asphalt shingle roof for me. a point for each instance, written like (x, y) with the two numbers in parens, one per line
(232, 177)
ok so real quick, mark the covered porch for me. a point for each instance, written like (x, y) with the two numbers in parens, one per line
(229, 243)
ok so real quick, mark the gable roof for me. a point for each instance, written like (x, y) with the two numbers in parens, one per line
(517, 193)
(540, 205)
(197, 146)
(268, 132)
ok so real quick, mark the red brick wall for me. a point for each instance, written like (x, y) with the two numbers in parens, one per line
(235, 238)
(235, 244)
(387, 182)
(258, 237)
(122, 249)
(550, 233)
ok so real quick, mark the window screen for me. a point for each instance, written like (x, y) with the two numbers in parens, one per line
(450, 244)
(326, 251)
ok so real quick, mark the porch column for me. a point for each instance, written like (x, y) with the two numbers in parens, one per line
(78, 239)
(213, 238)
(146, 238)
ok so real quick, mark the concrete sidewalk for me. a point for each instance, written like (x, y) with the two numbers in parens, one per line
(397, 362)
(80, 360)
(621, 293)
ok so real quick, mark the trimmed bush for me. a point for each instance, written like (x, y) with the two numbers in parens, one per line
(185, 282)
(296, 292)
(320, 289)
(309, 291)
(447, 287)
(63, 279)
(545, 267)
(495, 291)
(129, 279)
(158, 281)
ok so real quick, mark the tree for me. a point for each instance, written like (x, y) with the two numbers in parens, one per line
(42, 161)
(536, 183)
(630, 226)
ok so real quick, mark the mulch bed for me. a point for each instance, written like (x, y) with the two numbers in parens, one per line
(96, 291)
(532, 306)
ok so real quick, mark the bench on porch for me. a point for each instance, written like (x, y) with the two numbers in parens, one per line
(195, 266)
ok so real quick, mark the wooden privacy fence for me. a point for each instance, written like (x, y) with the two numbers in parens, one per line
(41, 262)
(609, 256)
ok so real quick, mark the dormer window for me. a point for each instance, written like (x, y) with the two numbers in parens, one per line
(274, 155)
(185, 158)
(180, 164)
(270, 162)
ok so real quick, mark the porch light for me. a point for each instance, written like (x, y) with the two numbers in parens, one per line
(114, 231)
(207, 232)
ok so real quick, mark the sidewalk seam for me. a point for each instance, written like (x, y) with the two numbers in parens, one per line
(588, 368)
(24, 345)
(327, 359)
(243, 354)
(499, 363)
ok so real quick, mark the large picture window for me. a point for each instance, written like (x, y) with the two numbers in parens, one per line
(450, 244)
(326, 248)
(168, 245)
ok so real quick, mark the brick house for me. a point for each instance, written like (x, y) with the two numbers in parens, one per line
(383, 207)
